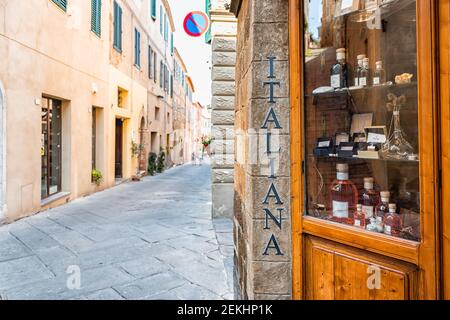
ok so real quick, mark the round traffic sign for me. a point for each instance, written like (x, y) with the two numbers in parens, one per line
(196, 23)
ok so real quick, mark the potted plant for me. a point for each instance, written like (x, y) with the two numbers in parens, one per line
(97, 177)
(152, 163)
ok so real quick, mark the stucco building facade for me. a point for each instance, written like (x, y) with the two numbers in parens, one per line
(84, 86)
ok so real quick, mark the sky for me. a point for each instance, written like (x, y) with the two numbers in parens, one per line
(194, 51)
(315, 15)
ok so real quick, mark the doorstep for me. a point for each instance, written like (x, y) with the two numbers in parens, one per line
(54, 198)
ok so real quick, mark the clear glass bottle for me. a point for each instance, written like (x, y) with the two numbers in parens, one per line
(343, 196)
(358, 69)
(379, 224)
(383, 207)
(359, 219)
(397, 147)
(379, 76)
(339, 71)
(369, 199)
(364, 75)
(372, 226)
(392, 221)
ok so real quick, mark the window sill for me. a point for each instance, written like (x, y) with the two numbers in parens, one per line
(117, 49)
(53, 198)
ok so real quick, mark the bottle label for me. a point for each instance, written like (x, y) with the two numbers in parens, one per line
(363, 82)
(368, 211)
(336, 81)
(376, 81)
(342, 176)
(340, 209)
(387, 229)
(357, 223)
(356, 82)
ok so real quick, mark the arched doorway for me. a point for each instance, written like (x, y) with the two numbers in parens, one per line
(142, 146)
(2, 153)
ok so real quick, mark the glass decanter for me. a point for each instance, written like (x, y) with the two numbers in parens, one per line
(397, 147)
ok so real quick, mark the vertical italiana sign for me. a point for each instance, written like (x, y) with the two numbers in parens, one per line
(273, 204)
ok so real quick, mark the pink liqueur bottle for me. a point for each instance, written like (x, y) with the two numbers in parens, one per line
(343, 196)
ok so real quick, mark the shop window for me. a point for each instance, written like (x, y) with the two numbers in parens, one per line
(51, 149)
(361, 116)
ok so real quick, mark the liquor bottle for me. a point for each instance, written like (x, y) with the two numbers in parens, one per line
(358, 68)
(392, 221)
(372, 226)
(364, 74)
(383, 207)
(379, 77)
(359, 217)
(369, 199)
(339, 71)
(343, 196)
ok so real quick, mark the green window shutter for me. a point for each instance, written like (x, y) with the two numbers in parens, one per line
(153, 9)
(117, 27)
(161, 21)
(96, 17)
(208, 13)
(165, 28)
(171, 43)
(61, 3)
(155, 72)
(137, 48)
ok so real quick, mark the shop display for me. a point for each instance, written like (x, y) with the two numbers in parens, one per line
(364, 131)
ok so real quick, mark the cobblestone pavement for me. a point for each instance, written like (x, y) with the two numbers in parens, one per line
(152, 239)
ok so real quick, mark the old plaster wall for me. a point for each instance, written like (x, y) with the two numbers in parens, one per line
(262, 242)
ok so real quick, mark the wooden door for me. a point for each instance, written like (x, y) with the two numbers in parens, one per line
(330, 261)
(119, 148)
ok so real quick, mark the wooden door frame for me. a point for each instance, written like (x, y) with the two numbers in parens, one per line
(426, 254)
(444, 54)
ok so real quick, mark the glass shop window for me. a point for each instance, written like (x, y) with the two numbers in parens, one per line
(361, 115)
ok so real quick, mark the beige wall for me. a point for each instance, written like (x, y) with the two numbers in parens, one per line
(53, 53)
(45, 54)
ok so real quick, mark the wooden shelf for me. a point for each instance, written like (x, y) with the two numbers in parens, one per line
(357, 90)
(356, 159)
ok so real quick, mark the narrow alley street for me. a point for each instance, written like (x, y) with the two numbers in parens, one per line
(153, 239)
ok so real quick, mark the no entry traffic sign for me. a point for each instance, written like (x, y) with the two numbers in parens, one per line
(196, 23)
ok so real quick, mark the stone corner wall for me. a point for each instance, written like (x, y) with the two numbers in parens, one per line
(262, 224)
(223, 32)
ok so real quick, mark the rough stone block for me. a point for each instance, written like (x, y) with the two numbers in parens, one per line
(259, 187)
(224, 59)
(260, 296)
(223, 73)
(260, 109)
(261, 238)
(223, 147)
(270, 44)
(224, 28)
(223, 88)
(260, 75)
(222, 161)
(258, 161)
(222, 200)
(223, 103)
(272, 277)
(270, 11)
(224, 44)
(223, 132)
(222, 117)
(222, 176)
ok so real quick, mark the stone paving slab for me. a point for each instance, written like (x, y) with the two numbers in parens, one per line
(152, 239)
